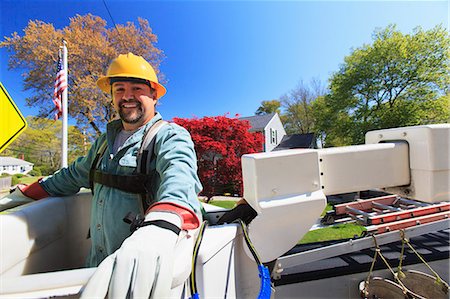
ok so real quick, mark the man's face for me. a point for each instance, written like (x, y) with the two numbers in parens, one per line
(135, 103)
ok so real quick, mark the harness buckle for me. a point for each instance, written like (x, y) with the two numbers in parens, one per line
(134, 220)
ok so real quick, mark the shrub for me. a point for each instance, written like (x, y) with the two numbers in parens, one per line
(46, 169)
(35, 172)
(220, 142)
(14, 180)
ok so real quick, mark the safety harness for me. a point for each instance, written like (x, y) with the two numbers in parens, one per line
(138, 182)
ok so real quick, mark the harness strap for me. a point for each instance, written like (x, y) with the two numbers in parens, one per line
(135, 183)
(94, 165)
(148, 143)
(146, 152)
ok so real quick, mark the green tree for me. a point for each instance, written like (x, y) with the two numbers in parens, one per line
(340, 123)
(398, 80)
(297, 104)
(40, 144)
(91, 47)
(268, 107)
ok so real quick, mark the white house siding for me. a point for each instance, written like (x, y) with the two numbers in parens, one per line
(273, 133)
(14, 169)
(11, 165)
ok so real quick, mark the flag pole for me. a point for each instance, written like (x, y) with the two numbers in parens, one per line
(64, 111)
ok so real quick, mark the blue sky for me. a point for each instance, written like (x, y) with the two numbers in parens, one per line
(228, 56)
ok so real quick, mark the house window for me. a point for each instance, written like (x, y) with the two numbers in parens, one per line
(273, 136)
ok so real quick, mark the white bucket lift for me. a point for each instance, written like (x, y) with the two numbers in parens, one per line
(287, 189)
(429, 160)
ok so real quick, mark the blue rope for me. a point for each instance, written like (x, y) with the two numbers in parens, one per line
(265, 290)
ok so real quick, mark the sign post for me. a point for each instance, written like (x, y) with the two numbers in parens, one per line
(12, 122)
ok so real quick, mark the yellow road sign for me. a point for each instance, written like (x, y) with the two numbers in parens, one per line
(12, 123)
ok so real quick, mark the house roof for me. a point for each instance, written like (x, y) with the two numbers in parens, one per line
(13, 161)
(296, 141)
(258, 122)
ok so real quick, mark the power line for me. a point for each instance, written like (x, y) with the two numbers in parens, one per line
(114, 23)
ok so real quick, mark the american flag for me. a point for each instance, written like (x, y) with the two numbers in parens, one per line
(60, 85)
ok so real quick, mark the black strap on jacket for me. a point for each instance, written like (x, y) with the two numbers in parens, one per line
(137, 183)
(94, 165)
(134, 183)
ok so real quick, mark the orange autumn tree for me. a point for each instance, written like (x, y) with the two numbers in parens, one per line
(91, 47)
(220, 142)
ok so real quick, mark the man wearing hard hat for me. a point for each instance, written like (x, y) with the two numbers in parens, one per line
(140, 263)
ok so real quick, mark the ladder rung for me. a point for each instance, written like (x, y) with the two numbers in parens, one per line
(413, 202)
(359, 212)
(386, 207)
(364, 204)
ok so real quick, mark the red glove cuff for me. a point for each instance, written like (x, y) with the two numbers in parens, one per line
(189, 219)
(34, 191)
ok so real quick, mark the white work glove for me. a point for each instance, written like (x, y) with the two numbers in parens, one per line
(14, 199)
(143, 266)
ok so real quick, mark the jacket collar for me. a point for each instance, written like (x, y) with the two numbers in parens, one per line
(114, 127)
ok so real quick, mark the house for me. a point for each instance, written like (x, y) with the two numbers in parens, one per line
(271, 127)
(307, 140)
(12, 165)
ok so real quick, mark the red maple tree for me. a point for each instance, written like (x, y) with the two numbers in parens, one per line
(220, 141)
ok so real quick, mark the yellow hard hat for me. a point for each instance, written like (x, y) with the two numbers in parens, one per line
(131, 66)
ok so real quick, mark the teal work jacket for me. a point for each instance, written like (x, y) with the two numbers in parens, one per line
(176, 182)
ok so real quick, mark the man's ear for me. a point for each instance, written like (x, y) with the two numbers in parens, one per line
(154, 96)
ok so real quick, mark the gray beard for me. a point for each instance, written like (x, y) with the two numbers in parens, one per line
(131, 118)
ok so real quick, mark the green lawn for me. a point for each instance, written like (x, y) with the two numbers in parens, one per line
(337, 232)
(28, 179)
(227, 204)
